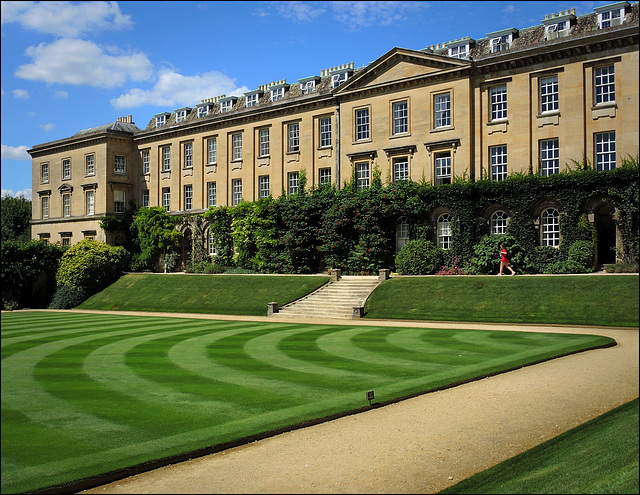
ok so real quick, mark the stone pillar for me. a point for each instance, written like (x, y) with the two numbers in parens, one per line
(383, 274)
(272, 308)
(336, 273)
(358, 311)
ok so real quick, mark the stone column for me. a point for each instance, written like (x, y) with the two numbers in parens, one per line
(336, 273)
(272, 308)
(383, 274)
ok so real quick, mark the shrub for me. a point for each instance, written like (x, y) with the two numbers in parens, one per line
(486, 257)
(564, 266)
(419, 257)
(583, 253)
(452, 270)
(621, 268)
(542, 257)
(205, 266)
(67, 297)
(90, 266)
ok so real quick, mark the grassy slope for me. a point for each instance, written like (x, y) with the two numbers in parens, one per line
(600, 456)
(210, 294)
(574, 300)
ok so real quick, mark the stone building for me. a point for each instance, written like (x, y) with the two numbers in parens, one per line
(528, 100)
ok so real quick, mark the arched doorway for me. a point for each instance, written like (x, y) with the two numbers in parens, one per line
(606, 228)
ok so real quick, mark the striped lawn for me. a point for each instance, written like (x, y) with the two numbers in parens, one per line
(87, 394)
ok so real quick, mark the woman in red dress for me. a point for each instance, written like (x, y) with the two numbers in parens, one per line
(504, 261)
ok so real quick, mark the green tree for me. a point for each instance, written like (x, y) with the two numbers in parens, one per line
(16, 218)
(154, 231)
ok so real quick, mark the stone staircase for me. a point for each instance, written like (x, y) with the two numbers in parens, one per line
(336, 299)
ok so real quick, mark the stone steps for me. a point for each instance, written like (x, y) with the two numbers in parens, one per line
(336, 299)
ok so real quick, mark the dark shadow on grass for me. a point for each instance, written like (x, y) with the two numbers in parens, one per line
(121, 474)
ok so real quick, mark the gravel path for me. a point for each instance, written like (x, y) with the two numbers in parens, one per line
(424, 444)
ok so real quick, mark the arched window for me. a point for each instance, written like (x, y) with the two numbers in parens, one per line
(402, 233)
(550, 228)
(444, 231)
(499, 223)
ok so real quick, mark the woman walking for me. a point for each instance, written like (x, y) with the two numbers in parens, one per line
(504, 261)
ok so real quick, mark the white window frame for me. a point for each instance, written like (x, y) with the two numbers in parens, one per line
(501, 43)
(293, 141)
(236, 146)
(236, 188)
(145, 198)
(188, 197)
(161, 120)
(263, 142)
(166, 198)
(263, 187)
(66, 169)
(119, 201)
(44, 202)
(499, 222)
(212, 194)
(252, 100)
(293, 182)
(212, 150)
(324, 176)
(338, 79)
(90, 165)
(402, 233)
(609, 18)
(203, 111)
(146, 162)
(44, 173)
(90, 202)
(549, 93)
(325, 132)
(604, 85)
(498, 162)
(550, 228)
(498, 95)
(213, 249)
(444, 231)
(181, 116)
(362, 124)
(277, 94)
(442, 110)
(549, 157)
(308, 87)
(605, 149)
(66, 205)
(400, 115)
(460, 51)
(166, 159)
(400, 169)
(362, 175)
(226, 106)
(120, 164)
(443, 167)
(188, 155)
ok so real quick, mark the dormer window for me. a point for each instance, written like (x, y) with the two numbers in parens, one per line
(500, 43)
(252, 100)
(559, 30)
(338, 79)
(460, 51)
(558, 25)
(277, 93)
(308, 87)
(181, 115)
(161, 119)
(203, 111)
(227, 104)
(611, 15)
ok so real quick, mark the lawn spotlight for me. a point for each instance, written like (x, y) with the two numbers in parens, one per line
(370, 396)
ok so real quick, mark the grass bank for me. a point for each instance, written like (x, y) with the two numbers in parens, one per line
(600, 456)
(88, 394)
(602, 300)
(209, 294)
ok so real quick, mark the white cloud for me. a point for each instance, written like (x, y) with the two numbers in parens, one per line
(25, 192)
(60, 95)
(374, 13)
(15, 153)
(21, 94)
(69, 61)
(173, 89)
(298, 11)
(48, 127)
(66, 19)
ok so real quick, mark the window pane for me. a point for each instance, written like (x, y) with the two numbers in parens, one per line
(443, 110)
(605, 87)
(400, 117)
(362, 124)
(499, 103)
(549, 157)
(549, 94)
(606, 151)
(498, 162)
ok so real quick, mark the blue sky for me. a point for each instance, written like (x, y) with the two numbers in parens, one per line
(68, 66)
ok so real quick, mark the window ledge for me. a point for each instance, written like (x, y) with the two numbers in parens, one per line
(604, 110)
(442, 129)
(497, 125)
(550, 118)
